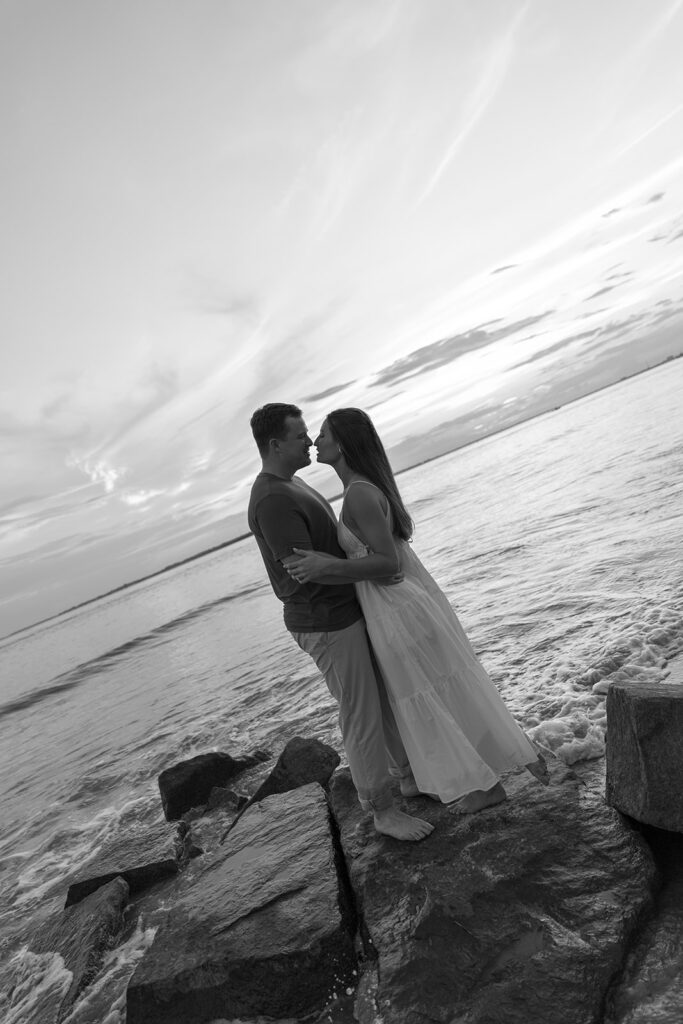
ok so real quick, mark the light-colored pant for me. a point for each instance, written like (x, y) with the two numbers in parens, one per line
(372, 743)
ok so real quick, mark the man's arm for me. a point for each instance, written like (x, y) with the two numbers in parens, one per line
(283, 526)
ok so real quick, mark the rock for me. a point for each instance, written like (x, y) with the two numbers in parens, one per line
(82, 934)
(676, 671)
(225, 800)
(142, 857)
(304, 760)
(264, 929)
(519, 914)
(645, 752)
(650, 989)
(189, 783)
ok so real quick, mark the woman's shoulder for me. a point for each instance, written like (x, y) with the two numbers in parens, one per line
(360, 493)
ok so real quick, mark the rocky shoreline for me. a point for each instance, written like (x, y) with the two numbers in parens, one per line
(545, 909)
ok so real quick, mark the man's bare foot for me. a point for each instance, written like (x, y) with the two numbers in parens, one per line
(409, 788)
(399, 825)
(479, 799)
(539, 770)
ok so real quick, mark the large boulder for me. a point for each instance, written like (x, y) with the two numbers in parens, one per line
(645, 752)
(142, 856)
(81, 935)
(262, 926)
(189, 783)
(519, 914)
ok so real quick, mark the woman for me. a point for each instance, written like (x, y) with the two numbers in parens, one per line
(458, 734)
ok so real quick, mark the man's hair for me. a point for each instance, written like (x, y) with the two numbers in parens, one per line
(269, 421)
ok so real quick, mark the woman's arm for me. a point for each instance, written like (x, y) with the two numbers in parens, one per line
(363, 505)
(293, 560)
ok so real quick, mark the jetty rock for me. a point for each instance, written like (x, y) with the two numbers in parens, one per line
(650, 989)
(645, 752)
(81, 935)
(303, 760)
(189, 783)
(141, 854)
(260, 927)
(520, 914)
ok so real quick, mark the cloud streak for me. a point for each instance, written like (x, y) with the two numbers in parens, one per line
(646, 134)
(440, 353)
(659, 26)
(477, 103)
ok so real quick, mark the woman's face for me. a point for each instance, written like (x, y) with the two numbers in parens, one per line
(326, 446)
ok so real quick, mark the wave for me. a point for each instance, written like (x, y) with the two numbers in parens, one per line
(74, 677)
(496, 552)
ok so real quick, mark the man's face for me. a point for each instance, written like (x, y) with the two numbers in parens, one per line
(294, 449)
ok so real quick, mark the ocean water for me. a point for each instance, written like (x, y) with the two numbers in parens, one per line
(558, 543)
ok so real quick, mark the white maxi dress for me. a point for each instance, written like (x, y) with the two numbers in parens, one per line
(458, 734)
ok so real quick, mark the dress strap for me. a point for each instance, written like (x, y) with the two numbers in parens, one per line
(351, 482)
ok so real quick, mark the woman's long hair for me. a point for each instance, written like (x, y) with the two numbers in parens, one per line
(354, 432)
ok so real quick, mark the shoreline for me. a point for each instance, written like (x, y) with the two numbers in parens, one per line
(406, 469)
(534, 416)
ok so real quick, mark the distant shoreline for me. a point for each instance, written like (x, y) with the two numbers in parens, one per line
(406, 469)
(125, 586)
(534, 416)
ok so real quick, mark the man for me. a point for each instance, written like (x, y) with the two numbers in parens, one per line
(325, 618)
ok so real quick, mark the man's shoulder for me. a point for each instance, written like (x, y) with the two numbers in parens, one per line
(261, 488)
(271, 489)
(267, 483)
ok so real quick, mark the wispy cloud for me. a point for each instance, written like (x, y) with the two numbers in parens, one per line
(625, 74)
(440, 353)
(657, 29)
(338, 171)
(98, 472)
(139, 498)
(476, 104)
(579, 226)
(342, 34)
(646, 134)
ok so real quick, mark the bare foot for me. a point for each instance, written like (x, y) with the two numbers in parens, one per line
(480, 798)
(539, 770)
(399, 825)
(409, 788)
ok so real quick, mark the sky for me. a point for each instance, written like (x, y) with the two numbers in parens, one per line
(451, 213)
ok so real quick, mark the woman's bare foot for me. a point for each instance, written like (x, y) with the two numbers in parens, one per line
(539, 770)
(399, 825)
(479, 799)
